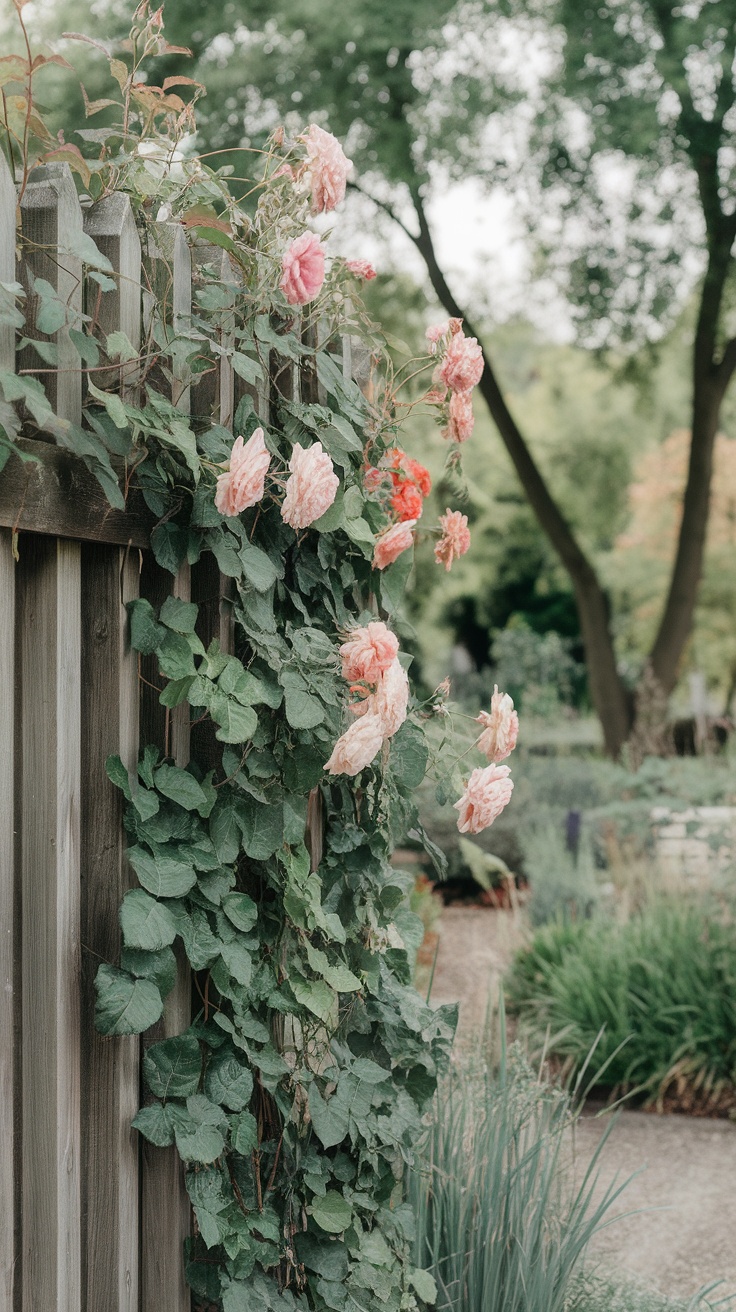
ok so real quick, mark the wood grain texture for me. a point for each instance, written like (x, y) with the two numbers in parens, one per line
(50, 212)
(165, 1210)
(213, 392)
(7, 257)
(8, 977)
(60, 497)
(111, 224)
(48, 583)
(110, 1066)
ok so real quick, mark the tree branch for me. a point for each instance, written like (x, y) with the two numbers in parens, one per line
(608, 694)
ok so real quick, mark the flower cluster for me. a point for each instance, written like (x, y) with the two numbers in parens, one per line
(311, 487)
(371, 666)
(489, 788)
(326, 169)
(401, 483)
(459, 370)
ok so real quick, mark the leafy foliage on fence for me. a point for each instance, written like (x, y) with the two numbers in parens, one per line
(296, 1096)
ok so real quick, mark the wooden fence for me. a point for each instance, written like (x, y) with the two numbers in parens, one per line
(92, 1219)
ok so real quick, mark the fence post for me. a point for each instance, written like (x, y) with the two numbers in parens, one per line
(51, 215)
(49, 689)
(110, 1066)
(111, 224)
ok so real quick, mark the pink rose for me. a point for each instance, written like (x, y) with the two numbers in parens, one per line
(488, 791)
(368, 653)
(462, 365)
(391, 698)
(361, 269)
(357, 747)
(243, 484)
(303, 269)
(328, 167)
(500, 728)
(312, 487)
(455, 538)
(461, 416)
(391, 543)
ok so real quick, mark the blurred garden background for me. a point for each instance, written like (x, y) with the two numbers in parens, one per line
(560, 174)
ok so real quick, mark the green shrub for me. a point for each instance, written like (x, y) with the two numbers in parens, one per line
(659, 990)
(499, 1223)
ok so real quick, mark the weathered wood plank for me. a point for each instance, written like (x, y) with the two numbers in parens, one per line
(51, 214)
(7, 257)
(168, 290)
(110, 1066)
(165, 1211)
(60, 497)
(48, 583)
(111, 224)
(9, 999)
(213, 392)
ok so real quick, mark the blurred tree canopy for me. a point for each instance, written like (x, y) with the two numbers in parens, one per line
(610, 124)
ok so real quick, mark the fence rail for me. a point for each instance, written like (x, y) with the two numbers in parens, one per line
(92, 1220)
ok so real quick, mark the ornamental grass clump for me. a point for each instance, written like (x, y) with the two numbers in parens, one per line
(656, 995)
(500, 1224)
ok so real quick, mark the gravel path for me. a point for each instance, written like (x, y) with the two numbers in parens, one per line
(684, 1234)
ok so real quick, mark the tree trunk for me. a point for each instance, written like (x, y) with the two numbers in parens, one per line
(608, 694)
(710, 381)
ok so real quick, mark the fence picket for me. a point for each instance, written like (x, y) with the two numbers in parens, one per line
(165, 1210)
(49, 676)
(111, 224)
(110, 1066)
(51, 216)
(9, 1108)
(7, 257)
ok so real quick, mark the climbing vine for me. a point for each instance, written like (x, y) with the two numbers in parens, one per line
(296, 1096)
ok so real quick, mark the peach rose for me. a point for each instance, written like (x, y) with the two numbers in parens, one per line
(328, 167)
(361, 269)
(312, 487)
(243, 484)
(357, 747)
(407, 502)
(455, 538)
(488, 791)
(391, 543)
(462, 421)
(462, 365)
(368, 653)
(500, 728)
(303, 269)
(391, 698)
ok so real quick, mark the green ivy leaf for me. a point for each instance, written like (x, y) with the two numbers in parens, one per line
(424, 1285)
(315, 995)
(409, 755)
(240, 910)
(201, 1143)
(145, 922)
(181, 787)
(329, 1118)
(181, 616)
(146, 633)
(156, 1123)
(262, 828)
(162, 875)
(157, 966)
(125, 1005)
(173, 1067)
(332, 1212)
(228, 1081)
(244, 1133)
